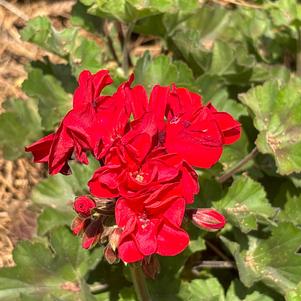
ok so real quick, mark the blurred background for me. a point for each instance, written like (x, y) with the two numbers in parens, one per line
(17, 177)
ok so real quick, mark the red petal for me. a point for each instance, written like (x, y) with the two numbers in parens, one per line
(123, 213)
(171, 241)
(158, 102)
(190, 147)
(189, 182)
(181, 101)
(175, 212)
(229, 126)
(128, 251)
(139, 101)
(90, 86)
(168, 165)
(41, 148)
(104, 182)
(146, 235)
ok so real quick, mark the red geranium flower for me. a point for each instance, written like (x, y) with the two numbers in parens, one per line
(195, 132)
(146, 163)
(149, 229)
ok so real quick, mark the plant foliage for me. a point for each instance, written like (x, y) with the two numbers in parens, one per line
(245, 59)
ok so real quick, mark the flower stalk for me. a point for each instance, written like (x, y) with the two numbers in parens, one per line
(139, 282)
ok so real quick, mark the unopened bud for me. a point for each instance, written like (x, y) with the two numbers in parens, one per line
(109, 254)
(151, 266)
(83, 205)
(114, 238)
(208, 219)
(77, 225)
(92, 233)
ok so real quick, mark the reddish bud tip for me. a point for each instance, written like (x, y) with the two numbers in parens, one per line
(151, 266)
(208, 219)
(83, 206)
(109, 254)
(114, 238)
(77, 225)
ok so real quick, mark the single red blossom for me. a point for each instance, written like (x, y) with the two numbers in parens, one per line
(208, 219)
(83, 206)
(196, 132)
(150, 229)
(184, 126)
(129, 179)
(76, 133)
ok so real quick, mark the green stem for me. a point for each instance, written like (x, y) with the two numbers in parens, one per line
(139, 282)
(126, 42)
(298, 59)
(228, 174)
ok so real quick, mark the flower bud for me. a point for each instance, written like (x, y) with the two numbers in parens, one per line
(77, 225)
(114, 238)
(109, 254)
(83, 206)
(92, 233)
(151, 266)
(208, 219)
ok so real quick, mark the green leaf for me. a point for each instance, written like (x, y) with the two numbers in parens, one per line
(53, 101)
(39, 31)
(49, 272)
(234, 153)
(19, 126)
(129, 11)
(292, 207)
(285, 12)
(245, 204)
(59, 191)
(127, 294)
(202, 290)
(80, 17)
(238, 292)
(161, 70)
(273, 260)
(51, 218)
(277, 116)
(197, 244)
(230, 106)
(82, 53)
(295, 294)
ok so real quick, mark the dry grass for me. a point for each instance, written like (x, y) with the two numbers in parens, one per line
(17, 221)
(14, 53)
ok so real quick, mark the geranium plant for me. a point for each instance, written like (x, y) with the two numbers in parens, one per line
(147, 150)
(171, 135)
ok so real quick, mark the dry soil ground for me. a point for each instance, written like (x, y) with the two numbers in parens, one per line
(17, 221)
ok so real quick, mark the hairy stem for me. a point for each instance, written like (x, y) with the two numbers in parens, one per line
(215, 264)
(139, 282)
(110, 42)
(126, 42)
(228, 174)
(298, 58)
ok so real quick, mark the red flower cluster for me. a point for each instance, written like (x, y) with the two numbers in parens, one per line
(146, 149)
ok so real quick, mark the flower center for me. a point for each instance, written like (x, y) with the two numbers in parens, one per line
(175, 120)
(144, 220)
(139, 176)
